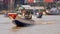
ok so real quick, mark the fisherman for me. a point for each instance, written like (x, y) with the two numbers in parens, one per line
(23, 11)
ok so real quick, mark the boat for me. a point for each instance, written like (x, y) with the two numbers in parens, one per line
(19, 20)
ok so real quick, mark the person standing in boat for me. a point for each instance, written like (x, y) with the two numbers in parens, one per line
(23, 11)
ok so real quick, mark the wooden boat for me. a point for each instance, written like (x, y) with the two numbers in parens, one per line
(20, 21)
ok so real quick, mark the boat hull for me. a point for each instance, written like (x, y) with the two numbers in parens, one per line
(22, 22)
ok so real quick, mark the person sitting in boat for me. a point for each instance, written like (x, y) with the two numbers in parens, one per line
(28, 15)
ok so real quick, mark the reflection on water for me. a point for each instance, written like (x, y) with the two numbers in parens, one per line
(15, 28)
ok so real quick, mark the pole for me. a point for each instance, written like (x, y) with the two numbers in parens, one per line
(11, 5)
